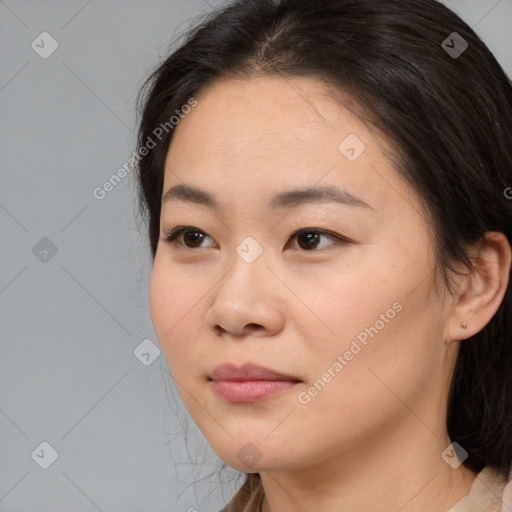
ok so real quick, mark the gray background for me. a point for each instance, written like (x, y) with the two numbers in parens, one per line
(71, 321)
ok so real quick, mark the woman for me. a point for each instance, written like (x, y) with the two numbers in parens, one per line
(325, 188)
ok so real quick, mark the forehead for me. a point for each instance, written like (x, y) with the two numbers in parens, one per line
(263, 116)
(266, 133)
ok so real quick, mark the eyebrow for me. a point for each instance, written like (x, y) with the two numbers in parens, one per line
(287, 199)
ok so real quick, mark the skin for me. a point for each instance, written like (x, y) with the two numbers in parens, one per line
(372, 439)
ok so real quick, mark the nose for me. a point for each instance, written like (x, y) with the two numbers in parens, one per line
(247, 301)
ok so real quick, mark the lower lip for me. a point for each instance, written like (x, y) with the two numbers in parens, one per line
(250, 390)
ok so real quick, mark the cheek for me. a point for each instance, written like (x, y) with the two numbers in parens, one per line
(172, 300)
(343, 304)
(364, 296)
(368, 325)
(160, 304)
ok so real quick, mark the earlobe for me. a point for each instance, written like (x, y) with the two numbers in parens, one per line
(481, 292)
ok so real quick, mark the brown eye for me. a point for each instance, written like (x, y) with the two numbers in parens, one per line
(193, 238)
(310, 239)
(187, 237)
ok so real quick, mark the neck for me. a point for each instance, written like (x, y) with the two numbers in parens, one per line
(401, 470)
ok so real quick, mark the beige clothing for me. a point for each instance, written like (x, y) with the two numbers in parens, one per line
(490, 492)
(486, 494)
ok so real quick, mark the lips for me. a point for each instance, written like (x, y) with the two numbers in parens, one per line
(249, 383)
(248, 372)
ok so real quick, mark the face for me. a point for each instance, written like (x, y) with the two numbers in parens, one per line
(345, 309)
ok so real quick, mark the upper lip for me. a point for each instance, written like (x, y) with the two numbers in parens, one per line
(248, 371)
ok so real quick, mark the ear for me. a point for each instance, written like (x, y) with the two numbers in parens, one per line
(481, 292)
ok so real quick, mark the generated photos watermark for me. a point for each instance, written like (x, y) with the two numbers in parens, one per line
(304, 397)
(101, 192)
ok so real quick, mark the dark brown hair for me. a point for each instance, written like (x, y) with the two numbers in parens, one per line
(448, 117)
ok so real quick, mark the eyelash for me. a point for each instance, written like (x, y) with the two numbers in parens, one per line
(171, 237)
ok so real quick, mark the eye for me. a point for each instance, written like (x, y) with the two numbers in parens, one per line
(192, 236)
(307, 238)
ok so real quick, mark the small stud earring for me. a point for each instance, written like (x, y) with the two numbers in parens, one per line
(463, 325)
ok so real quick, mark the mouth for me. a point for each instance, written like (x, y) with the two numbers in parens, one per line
(249, 383)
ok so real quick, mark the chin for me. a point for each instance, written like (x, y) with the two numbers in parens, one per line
(252, 456)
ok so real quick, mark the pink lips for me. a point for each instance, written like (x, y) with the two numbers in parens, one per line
(249, 383)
